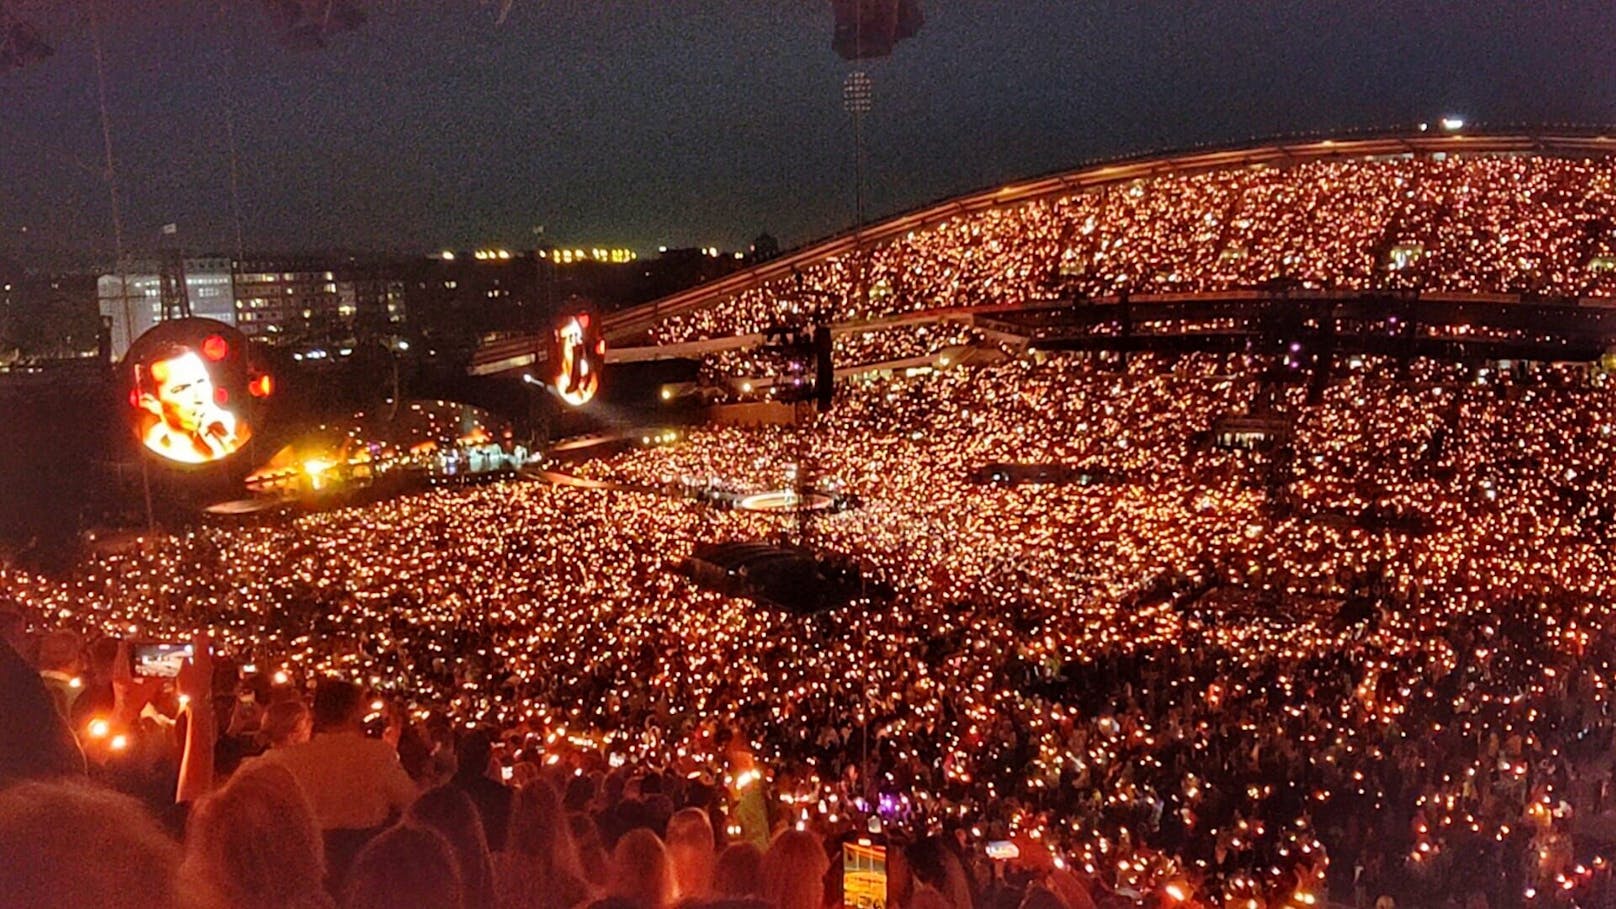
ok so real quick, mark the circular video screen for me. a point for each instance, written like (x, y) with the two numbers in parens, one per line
(190, 390)
(577, 357)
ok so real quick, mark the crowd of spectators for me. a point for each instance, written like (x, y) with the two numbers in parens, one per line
(1483, 223)
(1366, 658)
(1371, 659)
(850, 346)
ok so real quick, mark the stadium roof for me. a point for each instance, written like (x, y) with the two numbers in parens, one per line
(1580, 142)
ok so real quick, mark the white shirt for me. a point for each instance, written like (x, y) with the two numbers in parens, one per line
(352, 782)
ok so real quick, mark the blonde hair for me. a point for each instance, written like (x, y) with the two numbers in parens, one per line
(794, 871)
(738, 871)
(255, 842)
(450, 813)
(591, 852)
(928, 897)
(539, 840)
(405, 865)
(73, 845)
(692, 850)
(538, 829)
(641, 871)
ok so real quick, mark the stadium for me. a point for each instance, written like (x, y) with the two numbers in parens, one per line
(1242, 520)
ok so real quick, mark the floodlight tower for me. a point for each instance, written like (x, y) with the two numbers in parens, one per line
(858, 99)
(809, 354)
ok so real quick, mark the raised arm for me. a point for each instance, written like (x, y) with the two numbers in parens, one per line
(195, 687)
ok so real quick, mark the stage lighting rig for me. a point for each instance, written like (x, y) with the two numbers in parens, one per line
(20, 43)
(870, 28)
(805, 355)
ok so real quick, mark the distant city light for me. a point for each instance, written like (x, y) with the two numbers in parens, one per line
(1452, 124)
(617, 255)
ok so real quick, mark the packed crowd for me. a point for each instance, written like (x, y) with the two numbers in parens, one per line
(1520, 224)
(1373, 659)
(850, 346)
(315, 813)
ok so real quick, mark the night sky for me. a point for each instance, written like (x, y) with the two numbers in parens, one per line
(703, 123)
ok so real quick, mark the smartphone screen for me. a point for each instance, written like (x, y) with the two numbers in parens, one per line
(864, 874)
(161, 661)
(1003, 850)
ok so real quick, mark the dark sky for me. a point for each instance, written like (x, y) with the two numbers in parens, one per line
(703, 122)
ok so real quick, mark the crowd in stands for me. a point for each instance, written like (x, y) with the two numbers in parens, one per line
(850, 348)
(1372, 660)
(1505, 224)
(323, 815)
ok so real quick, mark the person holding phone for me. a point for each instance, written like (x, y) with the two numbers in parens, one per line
(160, 660)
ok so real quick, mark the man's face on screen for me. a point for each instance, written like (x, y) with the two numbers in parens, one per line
(184, 390)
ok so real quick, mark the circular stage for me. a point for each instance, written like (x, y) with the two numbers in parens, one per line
(778, 500)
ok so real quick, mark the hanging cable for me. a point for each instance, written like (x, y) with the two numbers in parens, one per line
(111, 174)
(227, 83)
(117, 219)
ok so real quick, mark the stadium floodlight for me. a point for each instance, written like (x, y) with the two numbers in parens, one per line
(1452, 124)
(857, 96)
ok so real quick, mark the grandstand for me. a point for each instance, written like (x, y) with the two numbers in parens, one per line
(1474, 220)
(1128, 596)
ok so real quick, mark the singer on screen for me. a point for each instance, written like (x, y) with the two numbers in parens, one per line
(189, 426)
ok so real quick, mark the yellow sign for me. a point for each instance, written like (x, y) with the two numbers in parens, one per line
(864, 876)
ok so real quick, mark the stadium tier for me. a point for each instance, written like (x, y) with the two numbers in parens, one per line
(1466, 214)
